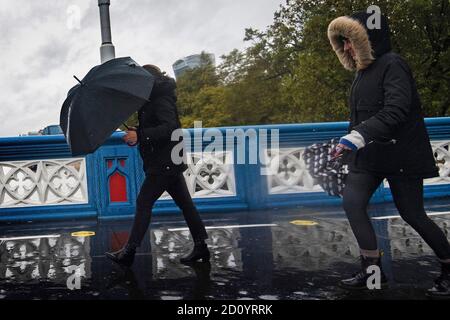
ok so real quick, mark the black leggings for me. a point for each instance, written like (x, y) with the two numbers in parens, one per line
(152, 188)
(408, 198)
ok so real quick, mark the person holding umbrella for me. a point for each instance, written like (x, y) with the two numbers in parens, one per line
(157, 120)
(388, 140)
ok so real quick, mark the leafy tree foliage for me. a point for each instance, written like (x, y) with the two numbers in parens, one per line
(288, 73)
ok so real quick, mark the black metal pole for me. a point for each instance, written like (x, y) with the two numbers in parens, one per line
(107, 51)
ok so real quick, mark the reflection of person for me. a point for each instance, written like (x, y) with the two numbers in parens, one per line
(388, 138)
(202, 283)
(127, 280)
(157, 120)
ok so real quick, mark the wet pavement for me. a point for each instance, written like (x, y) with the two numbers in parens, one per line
(295, 254)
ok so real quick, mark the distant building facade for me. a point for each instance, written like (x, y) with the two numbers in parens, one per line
(191, 62)
(49, 130)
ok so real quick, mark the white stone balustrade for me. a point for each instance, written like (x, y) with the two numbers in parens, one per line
(43, 182)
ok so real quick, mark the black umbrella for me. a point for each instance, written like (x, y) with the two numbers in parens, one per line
(106, 97)
(330, 172)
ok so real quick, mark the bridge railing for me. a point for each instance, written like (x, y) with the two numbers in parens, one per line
(40, 180)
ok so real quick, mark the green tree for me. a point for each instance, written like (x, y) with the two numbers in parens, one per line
(288, 72)
(191, 83)
(313, 86)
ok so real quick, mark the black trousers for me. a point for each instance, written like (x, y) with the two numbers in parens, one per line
(153, 187)
(408, 198)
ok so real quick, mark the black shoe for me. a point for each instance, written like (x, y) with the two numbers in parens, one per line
(124, 256)
(359, 280)
(441, 289)
(200, 252)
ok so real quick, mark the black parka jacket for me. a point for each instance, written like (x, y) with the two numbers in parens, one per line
(384, 103)
(157, 121)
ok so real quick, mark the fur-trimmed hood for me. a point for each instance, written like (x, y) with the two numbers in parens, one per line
(369, 44)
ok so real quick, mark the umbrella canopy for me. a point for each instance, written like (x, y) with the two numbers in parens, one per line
(330, 173)
(106, 97)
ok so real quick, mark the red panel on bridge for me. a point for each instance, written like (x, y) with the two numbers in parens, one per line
(118, 188)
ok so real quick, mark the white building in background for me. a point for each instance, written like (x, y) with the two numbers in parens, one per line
(191, 62)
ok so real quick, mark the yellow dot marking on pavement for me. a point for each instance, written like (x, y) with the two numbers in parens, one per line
(83, 234)
(307, 223)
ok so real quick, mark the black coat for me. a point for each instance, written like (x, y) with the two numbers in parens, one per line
(386, 110)
(157, 121)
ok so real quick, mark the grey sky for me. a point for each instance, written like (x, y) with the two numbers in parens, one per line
(43, 43)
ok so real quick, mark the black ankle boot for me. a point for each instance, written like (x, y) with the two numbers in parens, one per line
(441, 289)
(200, 252)
(124, 256)
(359, 280)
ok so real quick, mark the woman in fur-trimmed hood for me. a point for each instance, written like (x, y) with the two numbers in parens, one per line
(387, 140)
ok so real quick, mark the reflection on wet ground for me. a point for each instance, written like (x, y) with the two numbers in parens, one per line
(274, 255)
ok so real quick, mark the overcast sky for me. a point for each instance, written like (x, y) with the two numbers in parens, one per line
(43, 43)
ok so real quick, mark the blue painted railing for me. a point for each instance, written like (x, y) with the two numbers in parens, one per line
(251, 188)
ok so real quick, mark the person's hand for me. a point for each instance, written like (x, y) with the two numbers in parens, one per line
(131, 137)
(339, 150)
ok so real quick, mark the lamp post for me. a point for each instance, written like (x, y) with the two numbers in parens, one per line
(107, 51)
